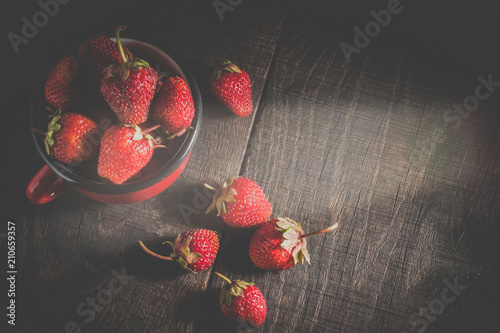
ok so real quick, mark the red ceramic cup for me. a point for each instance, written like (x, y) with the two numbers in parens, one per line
(54, 177)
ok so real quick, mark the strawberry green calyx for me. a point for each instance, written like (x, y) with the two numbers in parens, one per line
(123, 69)
(234, 288)
(52, 128)
(183, 253)
(227, 66)
(144, 134)
(223, 194)
(294, 238)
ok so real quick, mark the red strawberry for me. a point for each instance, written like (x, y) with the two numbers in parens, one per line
(280, 244)
(242, 302)
(71, 137)
(60, 83)
(129, 87)
(241, 203)
(194, 250)
(231, 86)
(97, 53)
(173, 106)
(125, 150)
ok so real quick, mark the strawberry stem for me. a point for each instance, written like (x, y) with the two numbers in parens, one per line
(321, 231)
(147, 130)
(162, 146)
(120, 47)
(214, 62)
(209, 187)
(38, 131)
(225, 278)
(152, 253)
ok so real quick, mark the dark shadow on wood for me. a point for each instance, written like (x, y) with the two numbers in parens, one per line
(142, 264)
(203, 309)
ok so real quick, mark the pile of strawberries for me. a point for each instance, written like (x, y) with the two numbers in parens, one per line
(143, 111)
(278, 244)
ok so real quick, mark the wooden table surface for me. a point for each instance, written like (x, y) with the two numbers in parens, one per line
(400, 146)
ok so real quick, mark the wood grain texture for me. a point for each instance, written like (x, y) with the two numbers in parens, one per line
(365, 144)
(369, 144)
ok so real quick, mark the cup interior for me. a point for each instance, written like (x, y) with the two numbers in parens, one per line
(84, 175)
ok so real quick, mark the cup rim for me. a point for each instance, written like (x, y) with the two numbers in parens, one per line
(166, 170)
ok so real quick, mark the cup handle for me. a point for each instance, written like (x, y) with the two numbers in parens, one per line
(45, 186)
